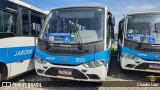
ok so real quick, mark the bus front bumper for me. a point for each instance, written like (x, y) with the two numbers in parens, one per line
(79, 73)
(140, 65)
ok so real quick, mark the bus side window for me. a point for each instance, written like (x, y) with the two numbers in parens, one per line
(7, 22)
(25, 22)
(108, 31)
(1, 21)
(35, 24)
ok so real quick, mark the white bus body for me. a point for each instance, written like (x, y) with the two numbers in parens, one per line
(20, 25)
(138, 42)
(69, 60)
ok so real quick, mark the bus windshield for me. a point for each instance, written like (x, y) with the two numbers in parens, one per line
(70, 25)
(144, 29)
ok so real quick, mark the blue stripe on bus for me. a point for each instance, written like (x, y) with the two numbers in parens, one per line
(74, 60)
(142, 55)
(16, 54)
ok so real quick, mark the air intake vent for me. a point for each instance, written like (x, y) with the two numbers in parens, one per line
(60, 51)
(148, 49)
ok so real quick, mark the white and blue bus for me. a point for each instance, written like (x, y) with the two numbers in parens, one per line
(20, 24)
(75, 43)
(139, 42)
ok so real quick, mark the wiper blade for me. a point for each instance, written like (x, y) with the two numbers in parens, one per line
(157, 28)
(48, 42)
(145, 35)
(80, 44)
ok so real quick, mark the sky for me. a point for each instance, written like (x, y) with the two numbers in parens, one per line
(118, 8)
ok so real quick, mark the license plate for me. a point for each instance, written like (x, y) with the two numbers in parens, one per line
(65, 72)
(154, 66)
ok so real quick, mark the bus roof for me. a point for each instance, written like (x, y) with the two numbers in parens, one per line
(144, 13)
(83, 6)
(28, 6)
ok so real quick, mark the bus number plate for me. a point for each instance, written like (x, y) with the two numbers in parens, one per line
(154, 66)
(65, 72)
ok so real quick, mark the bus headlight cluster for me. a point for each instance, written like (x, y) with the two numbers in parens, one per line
(39, 60)
(128, 56)
(94, 64)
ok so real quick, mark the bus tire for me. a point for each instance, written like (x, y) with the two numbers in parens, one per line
(3, 71)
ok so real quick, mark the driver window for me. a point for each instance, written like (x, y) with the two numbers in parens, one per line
(35, 24)
(109, 27)
(25, 22)
(120, 33)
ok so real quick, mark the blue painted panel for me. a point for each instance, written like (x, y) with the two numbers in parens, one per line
(74, 60)
(15, 54)
(142, 55)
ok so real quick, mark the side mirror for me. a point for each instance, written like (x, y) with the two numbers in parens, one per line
(120, 29)
(112, 32)
(112, 29)
(43, 19)
(120, 26)
(113, 20)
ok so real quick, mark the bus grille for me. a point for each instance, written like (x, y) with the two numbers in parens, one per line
(67, 52)
(148, 49)
(145, 66)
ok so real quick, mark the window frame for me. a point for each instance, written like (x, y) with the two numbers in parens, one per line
(109, 28)
(14, 20)
(28, 14)
(32, 13)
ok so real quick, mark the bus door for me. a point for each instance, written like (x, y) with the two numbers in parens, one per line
(36, 24)
(120, 38)
(24, 53)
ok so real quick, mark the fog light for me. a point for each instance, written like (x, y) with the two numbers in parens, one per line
(40, 70)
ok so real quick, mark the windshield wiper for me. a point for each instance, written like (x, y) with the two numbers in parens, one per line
(48, 42)
(145, 35)
(80, 44)
(156, 29)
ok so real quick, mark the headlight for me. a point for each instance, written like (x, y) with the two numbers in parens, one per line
(94, 64)
(89, 65)
(128, 56)
(39, 60)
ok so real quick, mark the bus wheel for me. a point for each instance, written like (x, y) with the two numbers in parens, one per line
(3, 71)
